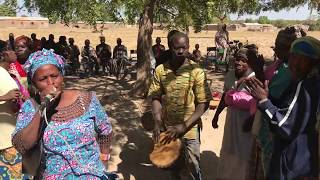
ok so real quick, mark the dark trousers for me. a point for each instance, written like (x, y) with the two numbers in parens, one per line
(187, 166)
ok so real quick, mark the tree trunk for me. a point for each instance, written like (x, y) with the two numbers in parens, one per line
(144, 46)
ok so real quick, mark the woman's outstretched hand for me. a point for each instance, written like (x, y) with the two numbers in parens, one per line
(257, 89)
(214, 122)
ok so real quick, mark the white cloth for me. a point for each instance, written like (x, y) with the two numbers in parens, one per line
(237, 145)
(7, 115)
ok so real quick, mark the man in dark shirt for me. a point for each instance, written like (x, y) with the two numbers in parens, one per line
(196, 54)
(89, 58)
(36, 43)
(62, 47)
(158, 48)
(104, 54)
(50, 43)
(120, 51)
(74, 55)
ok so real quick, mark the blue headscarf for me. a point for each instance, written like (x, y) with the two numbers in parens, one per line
(41, 58)
(307, 46)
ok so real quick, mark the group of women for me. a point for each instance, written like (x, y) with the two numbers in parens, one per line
(271, 123)
(68, 130)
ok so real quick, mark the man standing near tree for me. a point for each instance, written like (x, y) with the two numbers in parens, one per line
(158, 48)
(180, 95)
(10, 42)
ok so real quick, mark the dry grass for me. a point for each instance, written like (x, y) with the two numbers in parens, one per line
(264, 40)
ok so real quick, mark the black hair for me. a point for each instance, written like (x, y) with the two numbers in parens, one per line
(178, 35)
(169, 36)
(3, 46)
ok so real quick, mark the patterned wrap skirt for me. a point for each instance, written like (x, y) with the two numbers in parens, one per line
(11, 165)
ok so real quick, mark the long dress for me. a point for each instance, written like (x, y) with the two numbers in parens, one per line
(72, 138)
(237, 145)
(10, 159)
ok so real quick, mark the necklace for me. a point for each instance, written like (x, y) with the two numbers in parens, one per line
(74, 110)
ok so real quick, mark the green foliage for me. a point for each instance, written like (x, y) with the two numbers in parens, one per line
(69, 11)
(286, 4)
(313, 25)
(281, 23)
(221, 9)
(250, 21)
(182, 14)
(172, 13)
(8, 8)
(263, 20)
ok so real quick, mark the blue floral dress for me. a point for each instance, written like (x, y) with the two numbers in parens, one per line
(72, 139)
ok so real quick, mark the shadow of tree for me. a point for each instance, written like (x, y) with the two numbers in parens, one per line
(131, 143)
(209, 164)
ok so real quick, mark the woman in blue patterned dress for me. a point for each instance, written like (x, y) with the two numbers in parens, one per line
(76, 140)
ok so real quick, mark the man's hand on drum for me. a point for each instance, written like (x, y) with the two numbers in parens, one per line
(174, 132)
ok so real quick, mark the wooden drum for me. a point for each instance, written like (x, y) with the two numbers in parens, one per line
(165, 155)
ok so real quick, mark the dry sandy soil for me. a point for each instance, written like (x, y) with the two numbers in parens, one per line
(264, 40)
(131, 144)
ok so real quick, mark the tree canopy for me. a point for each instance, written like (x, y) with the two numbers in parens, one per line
(263, 20)
(178, 14)
(71, 11)
(8, 8)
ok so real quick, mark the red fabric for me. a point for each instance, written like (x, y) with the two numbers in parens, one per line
(18, 67)
(23, 91)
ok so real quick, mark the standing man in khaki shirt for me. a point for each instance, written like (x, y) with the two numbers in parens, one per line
(180, 95)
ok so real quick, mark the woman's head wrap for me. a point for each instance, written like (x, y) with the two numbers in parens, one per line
(254, 60)
(242, 53)
(41, 58)
(307, 46)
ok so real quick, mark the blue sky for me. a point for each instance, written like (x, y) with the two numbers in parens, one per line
(300, 13)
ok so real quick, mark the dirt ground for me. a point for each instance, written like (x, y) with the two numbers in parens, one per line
(131, 143)
(264, 40)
